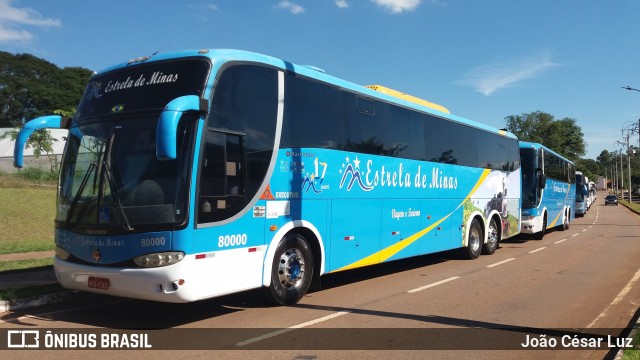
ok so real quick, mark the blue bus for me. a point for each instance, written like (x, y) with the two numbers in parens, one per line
(548, 189)
(582, 194)
(196, 174)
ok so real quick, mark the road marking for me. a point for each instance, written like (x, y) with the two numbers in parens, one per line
(576, 234)
(583, 230)
(500, 263)
(618, 298)
(291, 328)
(538, 249)
(559, 241)
(432, 285)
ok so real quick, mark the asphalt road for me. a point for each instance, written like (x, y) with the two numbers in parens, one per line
(573, 286)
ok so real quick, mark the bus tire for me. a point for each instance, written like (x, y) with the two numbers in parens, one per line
(291, 271)
(474, 241)
(540, 234)
(493, 238)
(565, 221)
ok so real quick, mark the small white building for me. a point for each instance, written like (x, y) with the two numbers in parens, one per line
(7, 145)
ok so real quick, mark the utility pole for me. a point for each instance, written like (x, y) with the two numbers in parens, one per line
(632, 128)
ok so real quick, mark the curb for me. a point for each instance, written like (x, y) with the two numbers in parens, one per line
(35, 301)
(628, 207)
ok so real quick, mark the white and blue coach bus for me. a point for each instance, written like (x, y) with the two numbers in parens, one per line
(548, 189)
(200, 173)
(582, 194)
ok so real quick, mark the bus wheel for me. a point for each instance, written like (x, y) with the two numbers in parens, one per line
(493, 238)
(565, 221)
(291, 271)
(539, 235)
(474, 241)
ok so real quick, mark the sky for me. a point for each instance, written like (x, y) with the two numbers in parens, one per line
(483, 60)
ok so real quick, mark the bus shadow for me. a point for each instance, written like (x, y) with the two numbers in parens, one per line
(120, 313)
(336, 280)
(104, 311)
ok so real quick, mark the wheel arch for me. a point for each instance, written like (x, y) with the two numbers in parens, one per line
(306, 230)
(483, 225)
(493, 215)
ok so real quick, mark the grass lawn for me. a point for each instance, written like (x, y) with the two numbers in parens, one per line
(26, 215)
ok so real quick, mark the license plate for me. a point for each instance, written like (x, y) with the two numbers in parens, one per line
(98, 283)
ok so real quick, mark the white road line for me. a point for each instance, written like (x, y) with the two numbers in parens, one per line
(538, 249)
(559, 241)
(583, 230)
(576, 234)
(618, 298)
(500, 263)
(433, 284)
(291, 328)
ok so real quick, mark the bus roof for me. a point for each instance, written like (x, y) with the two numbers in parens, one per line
(219, 57)
(411, 98)
(535, 146)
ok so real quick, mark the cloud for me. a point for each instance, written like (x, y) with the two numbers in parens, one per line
(290, 6)
(13, 18)
(7, 35)
(398, 6)
(342, 4)
(487, 79)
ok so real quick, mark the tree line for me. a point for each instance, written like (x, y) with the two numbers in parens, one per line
(32, 87)
(565, 137)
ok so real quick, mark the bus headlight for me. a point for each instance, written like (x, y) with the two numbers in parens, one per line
(158, 259)
(62, 253)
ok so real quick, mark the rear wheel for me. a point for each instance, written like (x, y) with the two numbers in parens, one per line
(565, 221)
(291, 271)
(474, 241)
(493, 238)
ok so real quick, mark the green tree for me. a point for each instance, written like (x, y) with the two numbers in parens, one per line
(563, 136)
(32, 87)
(590, 168)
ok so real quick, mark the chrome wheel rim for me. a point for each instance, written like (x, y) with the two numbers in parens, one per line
(291, 268)
(493, 234)
(474, 239)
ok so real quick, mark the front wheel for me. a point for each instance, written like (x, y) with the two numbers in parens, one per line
(474, 241)
(539, 235)
(291, 271)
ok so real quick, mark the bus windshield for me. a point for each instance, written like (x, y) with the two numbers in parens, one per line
(529, 178)
(111, 180)
(110, 176)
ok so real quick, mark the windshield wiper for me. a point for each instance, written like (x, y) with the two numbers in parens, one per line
(116, 198)
(76, 199)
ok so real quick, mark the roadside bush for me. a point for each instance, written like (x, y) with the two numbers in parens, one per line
(38, 174)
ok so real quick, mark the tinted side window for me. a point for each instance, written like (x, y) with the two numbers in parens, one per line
(454, 143)
(311, 115)
(363, 122)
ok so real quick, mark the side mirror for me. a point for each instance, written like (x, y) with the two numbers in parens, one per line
(585, 190)
(43, 122)
(542, 179)
(166, 133)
